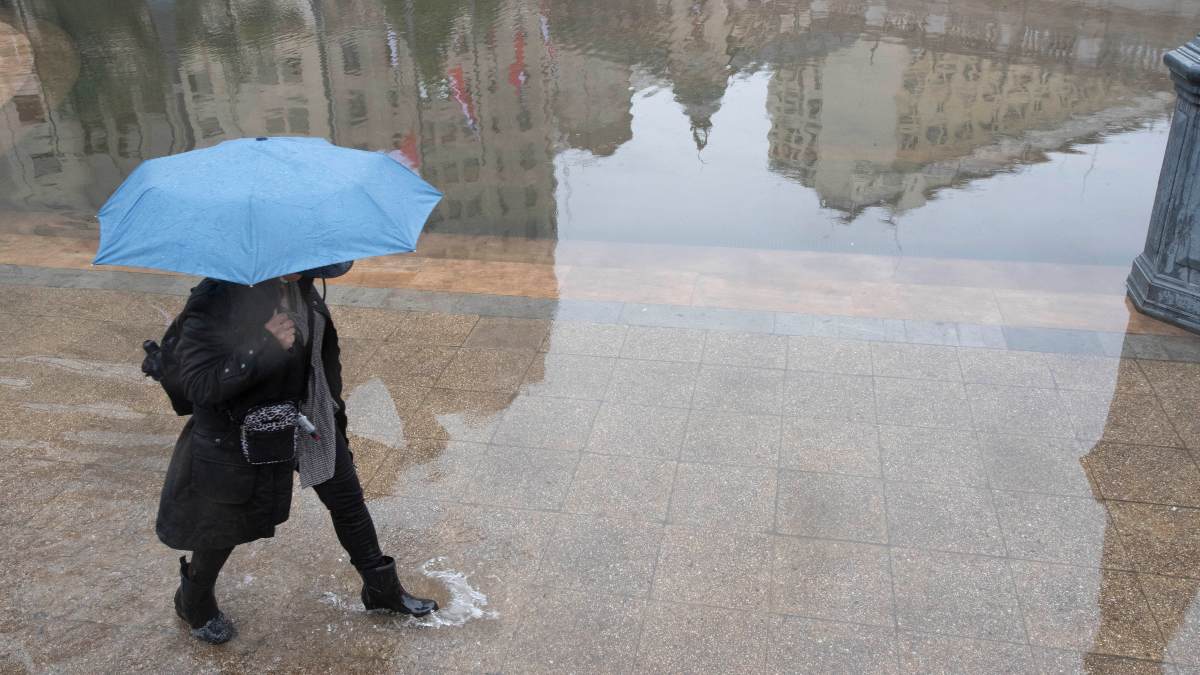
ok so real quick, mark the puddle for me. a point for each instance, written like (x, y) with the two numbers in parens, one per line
(109, 410)
(16, 382)
(116, 371)
(467, 603)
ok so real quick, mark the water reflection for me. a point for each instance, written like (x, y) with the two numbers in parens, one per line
(1150, 540)
(532, 114)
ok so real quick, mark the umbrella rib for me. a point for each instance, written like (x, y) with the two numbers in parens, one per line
(375, 203)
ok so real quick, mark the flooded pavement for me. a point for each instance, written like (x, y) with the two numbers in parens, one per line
(750, 337)
(618, 492)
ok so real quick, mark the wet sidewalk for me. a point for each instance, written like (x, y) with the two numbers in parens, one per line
(617, 487)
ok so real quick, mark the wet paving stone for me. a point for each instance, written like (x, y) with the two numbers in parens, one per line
(724, 497)
(942, 517)
(604, 555)
(922, 403)
(922, 653)
(732, 438)
(638, 430)
(1094, 373)
(1120, 418)
(612, 508)
(621, 487)
(508, 334)
(829, 355)
(1036, 464)
(569, 376)
(1145, 474)
(1174, 603)
(688, 639)
(522, 477)
(832, 507)
(830, 446)
(1102, 611)
(1012, 410)
(953, 594)
(457, 415)
(584, 339)
(436, 329)
(1051, 528)
(695, 567)
(653, 383)
(945, 456)
(829, 647)
(921, 362)
(663, 344)
(486, 370)
(541, 422)
(1064, 662)
(997, 366)
(754, 350)
(1159, 539)
(737, 389)
(565, 631)
(833, 580)
(828, 396)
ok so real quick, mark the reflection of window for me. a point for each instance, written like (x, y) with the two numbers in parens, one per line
(531, 196)
(94, 142)
(276, 124)
(450, 173)
(351, 64)
(293, 70)
(453, 208)
(200, 83)
(209, 127)
(298, 120)
(523, 120)
(45, 164)
(266, 68)
(475, 207)
(527, 160)
(471, 170)
(29, 109)
(358, 108)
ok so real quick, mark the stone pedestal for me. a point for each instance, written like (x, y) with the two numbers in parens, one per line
(1165, 282)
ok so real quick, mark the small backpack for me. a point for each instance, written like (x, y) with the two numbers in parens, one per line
(161, 365)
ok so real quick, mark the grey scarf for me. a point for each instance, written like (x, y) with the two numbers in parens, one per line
(316, 458)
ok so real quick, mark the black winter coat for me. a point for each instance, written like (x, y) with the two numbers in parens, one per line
(228, 362)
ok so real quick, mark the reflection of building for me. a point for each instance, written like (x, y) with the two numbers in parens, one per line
(479, 96)
(836, 129)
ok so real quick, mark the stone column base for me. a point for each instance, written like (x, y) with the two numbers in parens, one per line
(1162, 297)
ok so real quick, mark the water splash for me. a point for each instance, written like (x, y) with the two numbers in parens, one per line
(467, 603)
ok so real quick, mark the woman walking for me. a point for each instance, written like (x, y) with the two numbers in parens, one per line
(260, 366)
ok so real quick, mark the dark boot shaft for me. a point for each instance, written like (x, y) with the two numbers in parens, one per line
(382, 590)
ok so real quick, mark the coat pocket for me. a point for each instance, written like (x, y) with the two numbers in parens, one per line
(219, 474)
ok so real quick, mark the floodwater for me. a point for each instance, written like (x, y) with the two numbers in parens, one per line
(1026, 130)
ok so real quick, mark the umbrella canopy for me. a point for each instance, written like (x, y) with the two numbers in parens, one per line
(252, 209)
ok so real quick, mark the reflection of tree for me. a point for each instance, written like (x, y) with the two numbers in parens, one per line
(428, 26)
(122, 73)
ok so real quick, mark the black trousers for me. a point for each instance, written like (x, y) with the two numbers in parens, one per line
(343, 496)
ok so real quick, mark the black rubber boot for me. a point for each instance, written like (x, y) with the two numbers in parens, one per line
(197, 606)
(382, 590)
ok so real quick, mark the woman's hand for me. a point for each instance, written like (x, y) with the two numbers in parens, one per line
(283, 328)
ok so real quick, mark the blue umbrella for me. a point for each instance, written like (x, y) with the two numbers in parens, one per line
(252, 209)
